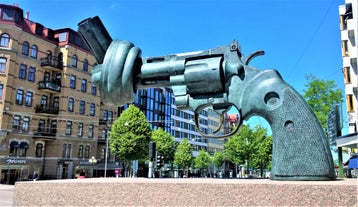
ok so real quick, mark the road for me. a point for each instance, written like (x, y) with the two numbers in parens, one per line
(6, 195)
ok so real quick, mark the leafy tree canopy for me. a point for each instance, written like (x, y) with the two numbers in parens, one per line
(203, 160)
(130, 135)
(218, 159)
(184, 154)
(321, 96)
(165, 144)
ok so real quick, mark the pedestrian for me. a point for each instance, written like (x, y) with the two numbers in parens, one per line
(35, 176)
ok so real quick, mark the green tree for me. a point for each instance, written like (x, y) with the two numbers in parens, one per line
(263, 149)
(241, 146)
(321, 96)
(202, 161)
(218, 159)
(130, 135)
(165, 144)
(184, 156)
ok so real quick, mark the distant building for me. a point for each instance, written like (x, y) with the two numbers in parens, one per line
(49, 110)
(348, 16)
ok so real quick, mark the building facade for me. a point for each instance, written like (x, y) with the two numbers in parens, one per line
(348, 14)
(49, 110)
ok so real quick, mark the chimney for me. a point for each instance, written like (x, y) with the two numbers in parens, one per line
(27, 15)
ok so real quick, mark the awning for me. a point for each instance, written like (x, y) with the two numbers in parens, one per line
(14, 144)
(353, 162)
(24, 145)
(349, 140)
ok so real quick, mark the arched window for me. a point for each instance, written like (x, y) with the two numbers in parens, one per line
(85, 65)
(74, 61)
(4, 40)
(25, 48)
(39, 147)
(34, 51)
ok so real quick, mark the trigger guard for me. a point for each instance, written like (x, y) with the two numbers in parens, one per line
(196, 117)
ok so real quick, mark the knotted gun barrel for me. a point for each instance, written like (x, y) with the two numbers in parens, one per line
(218, 78)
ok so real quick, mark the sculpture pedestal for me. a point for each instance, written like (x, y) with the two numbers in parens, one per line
(185, 192)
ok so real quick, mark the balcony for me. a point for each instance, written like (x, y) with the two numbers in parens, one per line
(45, 134)
(50, 86)
(46, 110)
(51, 63)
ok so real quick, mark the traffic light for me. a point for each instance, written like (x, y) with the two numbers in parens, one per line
(160, 161)
(151, 150)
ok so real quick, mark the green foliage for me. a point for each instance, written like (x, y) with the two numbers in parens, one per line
(183, 155)
(321, 96)
(218, 159)
(165, 144)
(263, 150)
(130, 135)
(240, 146)
(251, 145)
(203, 160)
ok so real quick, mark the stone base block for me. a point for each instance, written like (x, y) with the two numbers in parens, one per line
(185, 192)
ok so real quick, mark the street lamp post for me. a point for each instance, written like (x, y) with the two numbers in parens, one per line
(92, 161)
(106, 155)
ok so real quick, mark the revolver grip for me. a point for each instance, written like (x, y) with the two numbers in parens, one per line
(300, 148)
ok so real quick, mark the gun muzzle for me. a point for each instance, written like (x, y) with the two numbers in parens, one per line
(96, 36)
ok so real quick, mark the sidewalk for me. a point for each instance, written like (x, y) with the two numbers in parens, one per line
(6, 195)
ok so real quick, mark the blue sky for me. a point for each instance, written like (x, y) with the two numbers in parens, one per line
(299, 37)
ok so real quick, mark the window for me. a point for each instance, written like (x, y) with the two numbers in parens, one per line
(104, 134)
(84, 85)
(2, 65)
(70, 105)
(345, 51)
(19, 96)
(68, 127)
(66, 151)
(347, 75)
(85, 65)
(34, 51)
(41, 127)
(56, 103)
(25, 124)
(87, 151)
(28, 98)
(82, 107)
(31, 76)
(44, 100)
(92, 109)
(350, 106)
(80, 129)
(22, 71)
(53, 129)
(23, 148)
(16, 122)
(25, 48)
(74, 61)
(39, 147)
(103, 151)
(80, 151)
(90, 131)
(110, 117)
(73, 82)
(1, 90)
(94, 89)
(4, 40)
(105, 115)
(14, 145)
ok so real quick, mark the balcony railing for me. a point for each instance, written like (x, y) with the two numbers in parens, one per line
(52, 62)
(46, 110)
(45, 134)
(50, 85)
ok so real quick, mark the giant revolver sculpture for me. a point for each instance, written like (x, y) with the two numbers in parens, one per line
(217, 78)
